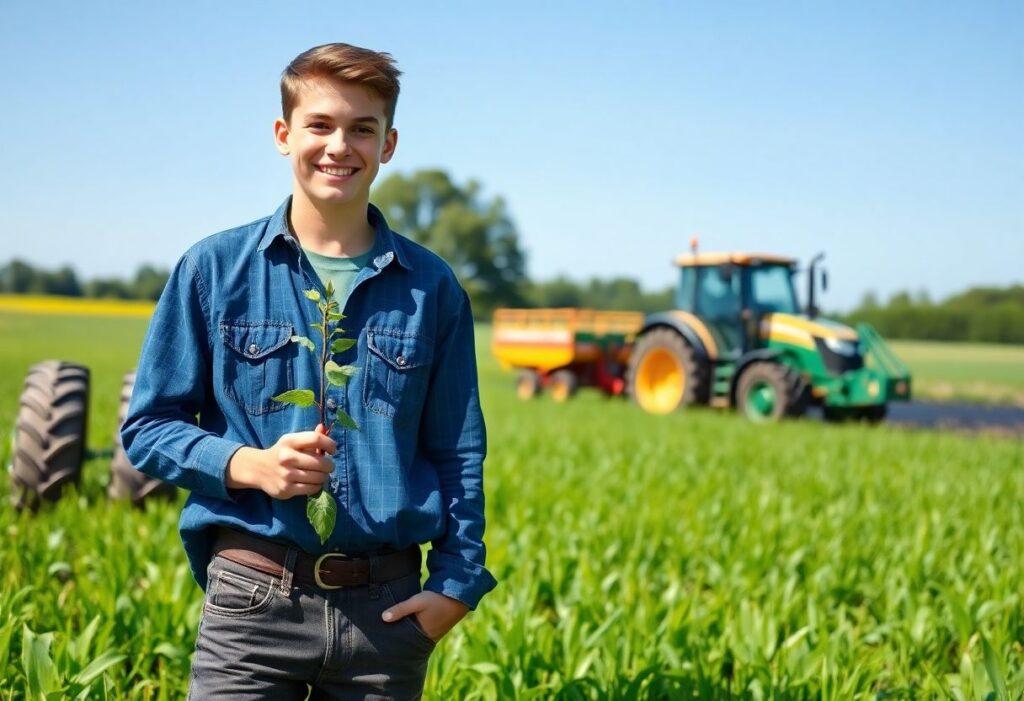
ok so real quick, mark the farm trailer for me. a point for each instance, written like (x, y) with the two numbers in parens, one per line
(737, 338)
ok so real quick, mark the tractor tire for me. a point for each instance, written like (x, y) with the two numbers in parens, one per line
(125, 481)
(563, 385)
(50, 432)
(528, 384)
(664, 373)
(768, 391)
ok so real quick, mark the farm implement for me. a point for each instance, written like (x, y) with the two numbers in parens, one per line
(737, 338)
(49, 445)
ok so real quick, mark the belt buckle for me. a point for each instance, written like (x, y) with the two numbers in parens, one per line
(316, 571)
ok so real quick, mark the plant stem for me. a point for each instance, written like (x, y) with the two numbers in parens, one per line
(323, 364)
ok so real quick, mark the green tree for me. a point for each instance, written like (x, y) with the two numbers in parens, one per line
(149, 282)
(475, 235)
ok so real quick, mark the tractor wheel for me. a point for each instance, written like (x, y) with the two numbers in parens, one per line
(664, 373)
(563, 385)
(125, 481)
(528, 384)
(50, 432)
(768, 391)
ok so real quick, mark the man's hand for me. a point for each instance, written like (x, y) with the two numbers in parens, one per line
(298, 463)
(437, 614)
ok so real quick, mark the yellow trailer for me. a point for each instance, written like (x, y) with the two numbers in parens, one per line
(564, 349)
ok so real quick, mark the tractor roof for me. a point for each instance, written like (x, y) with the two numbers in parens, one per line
(689, 260)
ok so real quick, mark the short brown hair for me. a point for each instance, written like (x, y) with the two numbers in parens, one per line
(372, 69)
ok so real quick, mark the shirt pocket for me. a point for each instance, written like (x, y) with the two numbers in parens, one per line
(397, 372)
(258, 363)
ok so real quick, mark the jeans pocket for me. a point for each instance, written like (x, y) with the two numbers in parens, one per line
(401, 589)
(397, 371)
(257, 363)
(232, 593)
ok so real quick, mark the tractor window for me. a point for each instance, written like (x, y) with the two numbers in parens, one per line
(684, 295)
(719, 293)
(771, 290)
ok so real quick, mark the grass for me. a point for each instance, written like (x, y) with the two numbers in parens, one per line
(639, 557)
(965, 372)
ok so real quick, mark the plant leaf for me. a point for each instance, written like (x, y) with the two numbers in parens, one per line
(337, 331)
(312, 294)
(299, 397)
(304, 342)
(335, 316)
(322, 513)
(340, 345)
(37, 664)
(338, 375)
(345, 420)
(98, 666)
(330, 288)
(994, 670)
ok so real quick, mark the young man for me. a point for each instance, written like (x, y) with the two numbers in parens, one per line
(284, 613)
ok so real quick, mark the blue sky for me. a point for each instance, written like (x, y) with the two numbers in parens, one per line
(890, 135)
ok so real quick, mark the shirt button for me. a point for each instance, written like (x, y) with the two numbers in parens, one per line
(254, 349)
(401, 361)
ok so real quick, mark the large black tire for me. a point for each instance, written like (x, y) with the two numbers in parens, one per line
(50, 432)
(769, 391)
(664, 373)
(125, 481)
(563, 385)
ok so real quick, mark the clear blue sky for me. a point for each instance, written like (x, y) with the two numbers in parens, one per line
(890, 135)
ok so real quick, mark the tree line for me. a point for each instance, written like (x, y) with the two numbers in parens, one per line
(980, 314)
(478, 238)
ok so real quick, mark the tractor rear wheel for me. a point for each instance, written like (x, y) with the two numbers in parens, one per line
(563, 384)
(528, 384)
(125, 481)
(50, 432)
(664, 374)
(768, 391)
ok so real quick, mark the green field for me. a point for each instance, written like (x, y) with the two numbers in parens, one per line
(965, 371)
(639, 557)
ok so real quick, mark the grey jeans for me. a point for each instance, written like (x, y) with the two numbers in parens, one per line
(262, 637)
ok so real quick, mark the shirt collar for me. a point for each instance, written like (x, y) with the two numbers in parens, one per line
(385, 246)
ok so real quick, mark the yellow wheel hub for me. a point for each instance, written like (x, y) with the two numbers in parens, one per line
(660, 382)
(525, 389)
(559, 391)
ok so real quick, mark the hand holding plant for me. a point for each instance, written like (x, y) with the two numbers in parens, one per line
(321, 509)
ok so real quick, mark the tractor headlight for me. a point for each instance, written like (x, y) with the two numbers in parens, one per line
(841, 347)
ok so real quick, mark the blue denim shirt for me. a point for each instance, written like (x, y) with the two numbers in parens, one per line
(218, 349)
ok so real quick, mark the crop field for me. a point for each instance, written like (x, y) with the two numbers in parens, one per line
(691, 556)
(974, 372)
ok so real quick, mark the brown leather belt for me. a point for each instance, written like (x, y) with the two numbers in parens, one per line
(328, 571)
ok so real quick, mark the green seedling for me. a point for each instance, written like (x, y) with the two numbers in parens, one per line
(321, 509)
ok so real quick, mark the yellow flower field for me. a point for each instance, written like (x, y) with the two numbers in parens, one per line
(75, 306)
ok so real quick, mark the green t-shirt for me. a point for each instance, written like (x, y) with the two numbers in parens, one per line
(341, 271)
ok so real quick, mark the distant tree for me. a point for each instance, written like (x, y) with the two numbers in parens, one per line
(17, 277)
(475, 235)
(109, 288)
(150, 282)
(62, 281)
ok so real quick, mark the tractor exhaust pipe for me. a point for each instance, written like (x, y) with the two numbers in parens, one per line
(812, 308)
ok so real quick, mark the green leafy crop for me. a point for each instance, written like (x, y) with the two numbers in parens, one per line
(321, 509)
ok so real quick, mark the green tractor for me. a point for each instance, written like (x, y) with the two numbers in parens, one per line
(738, 338)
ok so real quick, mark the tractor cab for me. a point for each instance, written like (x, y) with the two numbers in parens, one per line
(732, 292)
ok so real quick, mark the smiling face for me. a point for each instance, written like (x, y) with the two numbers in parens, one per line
(336, 138)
